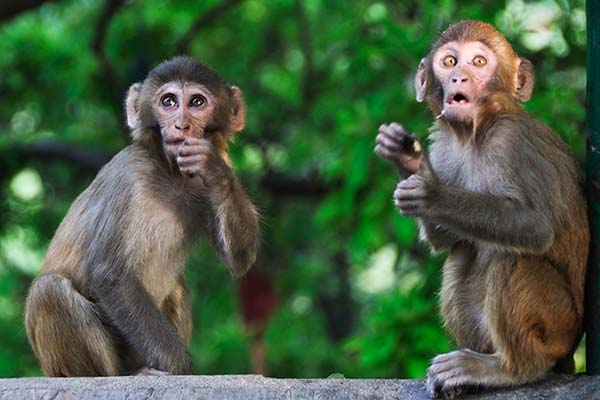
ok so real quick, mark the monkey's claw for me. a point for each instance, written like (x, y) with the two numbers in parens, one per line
(450, 373)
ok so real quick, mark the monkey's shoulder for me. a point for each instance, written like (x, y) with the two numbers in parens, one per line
(119, 184)
(526, 129)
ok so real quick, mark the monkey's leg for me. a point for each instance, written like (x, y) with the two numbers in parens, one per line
(176, 308)
(532, 321)
(461, 299)
(65, 331)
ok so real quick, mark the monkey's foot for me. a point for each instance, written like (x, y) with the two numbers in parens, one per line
(152, 372)
(450, 373)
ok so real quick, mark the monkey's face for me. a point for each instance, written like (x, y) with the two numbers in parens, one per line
(182, 109)
(464, 70)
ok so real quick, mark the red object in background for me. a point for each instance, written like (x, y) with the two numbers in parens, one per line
(257, 302)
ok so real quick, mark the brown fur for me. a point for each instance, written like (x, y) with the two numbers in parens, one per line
(507, 204)
(112, 298)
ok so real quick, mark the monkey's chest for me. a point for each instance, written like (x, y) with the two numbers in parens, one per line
(158, 247)
(466, 171)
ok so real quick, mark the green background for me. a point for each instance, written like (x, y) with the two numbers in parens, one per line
(351, 289)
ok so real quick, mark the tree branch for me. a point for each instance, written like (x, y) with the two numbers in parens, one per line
(305, 42)
(10, 9)
(107, 72)
(209, 17)
(88, 160)
(280, 185)
(98, 41)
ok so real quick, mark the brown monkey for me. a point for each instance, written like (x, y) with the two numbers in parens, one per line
(501, 193)
(111, 298)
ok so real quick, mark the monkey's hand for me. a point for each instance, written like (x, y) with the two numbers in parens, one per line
(414, 196)
(394, 143)
(197, 158)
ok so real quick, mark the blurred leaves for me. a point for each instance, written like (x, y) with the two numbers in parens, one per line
(318, 78)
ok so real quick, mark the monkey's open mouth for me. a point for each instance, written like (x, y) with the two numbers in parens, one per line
(457, 98)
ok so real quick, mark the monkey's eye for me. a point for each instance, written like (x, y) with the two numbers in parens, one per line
(198, 101)
(168, 100)
(479, 61)
(449, 61)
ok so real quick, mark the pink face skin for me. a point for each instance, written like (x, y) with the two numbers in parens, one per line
(182, 110)
(463, 69)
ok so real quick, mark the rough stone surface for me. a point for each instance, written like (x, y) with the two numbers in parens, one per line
(253, 387)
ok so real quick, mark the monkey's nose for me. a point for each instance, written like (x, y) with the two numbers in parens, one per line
(462, 80)
(182, 126)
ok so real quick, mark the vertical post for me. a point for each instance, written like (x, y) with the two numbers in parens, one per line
(593, 187)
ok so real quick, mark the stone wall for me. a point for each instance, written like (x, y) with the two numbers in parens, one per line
(253, 387)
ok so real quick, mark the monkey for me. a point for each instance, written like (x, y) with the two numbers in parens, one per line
(499, 192)
(111, 298)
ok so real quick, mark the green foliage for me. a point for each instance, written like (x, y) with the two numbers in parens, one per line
(319, 77)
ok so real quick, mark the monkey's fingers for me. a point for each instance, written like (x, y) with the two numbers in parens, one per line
(191, 165)
(383, 151)
(438, 367)
(447, 358)
(408, 208)
(399, 136)
(407, 193)
(448, 385)
(398, 130)
(387, 141)
(193, 140)
(194, 159)
(434, 388)
(410, 183)
(196, 148)
(408, 142)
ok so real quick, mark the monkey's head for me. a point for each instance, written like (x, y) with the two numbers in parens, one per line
(183, 97)
(472, 73)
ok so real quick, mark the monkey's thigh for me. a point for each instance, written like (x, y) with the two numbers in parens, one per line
(177, 309)
(66, 332)
(462, 298)
(531, 315)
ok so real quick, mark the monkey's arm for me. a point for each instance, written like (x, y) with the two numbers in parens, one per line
(234, 222)
(234, 225)
(500, 220)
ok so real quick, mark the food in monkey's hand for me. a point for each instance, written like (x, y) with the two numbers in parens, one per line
(416, 147)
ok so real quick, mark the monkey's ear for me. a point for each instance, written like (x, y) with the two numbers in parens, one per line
(421, 80)
(238, 117)
(132, 106)
(525, 80)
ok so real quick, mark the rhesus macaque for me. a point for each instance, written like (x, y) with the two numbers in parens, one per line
(112, 298)
(501, 193)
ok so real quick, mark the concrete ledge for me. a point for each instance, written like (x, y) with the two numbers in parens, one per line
(254, 387)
